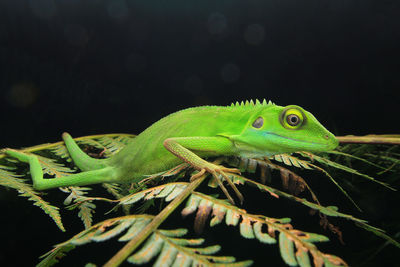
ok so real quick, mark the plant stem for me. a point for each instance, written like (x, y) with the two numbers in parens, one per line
(370, 139)
(118, 258)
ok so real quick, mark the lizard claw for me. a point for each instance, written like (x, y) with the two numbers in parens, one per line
(216, 170)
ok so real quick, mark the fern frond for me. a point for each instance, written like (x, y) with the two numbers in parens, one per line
(172, 250)
(167, 243)
(99, 232)
(291, 180)
(294, 244)
(290, 160)
(331, 211)
(347, 155)
(387, 159)
(339, 166)
(108, 145)
(85, 205)
(12, 180)
(61, 151)
(167, 191)
(52, 257)
(51, 167)
(113, 189)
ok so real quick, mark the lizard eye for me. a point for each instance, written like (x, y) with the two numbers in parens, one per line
(258, 123)
(292, 118)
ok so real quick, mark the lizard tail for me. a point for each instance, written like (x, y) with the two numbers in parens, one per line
(80, 158)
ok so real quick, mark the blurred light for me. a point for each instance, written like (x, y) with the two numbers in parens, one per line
(117, 9)
(135, 62)
(76, 35)
(217, 23)
(22, 94)
(44, 9)
(254, 34)
(230, 73)
(193, 84)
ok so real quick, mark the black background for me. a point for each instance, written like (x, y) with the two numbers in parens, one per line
(97, 66)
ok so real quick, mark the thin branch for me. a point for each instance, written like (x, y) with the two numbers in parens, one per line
(370, 139)
(118, 258)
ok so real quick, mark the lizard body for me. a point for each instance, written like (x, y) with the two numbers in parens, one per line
(251, 129)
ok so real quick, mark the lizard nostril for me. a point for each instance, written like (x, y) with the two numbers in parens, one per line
(326, 136)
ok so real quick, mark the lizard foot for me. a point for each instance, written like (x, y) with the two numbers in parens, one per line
(217, 170)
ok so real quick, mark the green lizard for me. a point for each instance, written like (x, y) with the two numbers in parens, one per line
(251, 129)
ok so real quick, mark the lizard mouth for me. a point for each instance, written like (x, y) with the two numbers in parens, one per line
(311, 144)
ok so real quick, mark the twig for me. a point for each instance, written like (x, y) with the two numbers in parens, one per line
(370, 139)
(118, 258)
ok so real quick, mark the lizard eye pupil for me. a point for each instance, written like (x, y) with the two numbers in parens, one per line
(258, 123)
(293, 120)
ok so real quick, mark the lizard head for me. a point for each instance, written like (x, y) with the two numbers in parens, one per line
(276, 129)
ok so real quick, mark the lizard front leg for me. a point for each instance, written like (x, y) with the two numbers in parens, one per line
(185, 148)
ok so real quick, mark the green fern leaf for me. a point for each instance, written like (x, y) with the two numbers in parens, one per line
(86, 211)
(263, 237)
(52, 257)
(85, 205)
(51, 167)
(11, 180)
(149, 250)
(325, 210)
(218, 215)
(339, 166)
(167, 191)
(329, 211)
(290, 239)
(167, 256)
(61, 151)
(116, 230)
(135, 228)
(174, 251)
(113, 189)
(108, 144)
(302, 257)
(99, 232)
(347, 155)
(286, 248)
(246, 228)
(290, 160)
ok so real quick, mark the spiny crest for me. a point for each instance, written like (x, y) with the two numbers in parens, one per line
(248, 103)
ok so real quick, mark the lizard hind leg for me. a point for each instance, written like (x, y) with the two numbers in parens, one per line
(80, 158)
(104, 175)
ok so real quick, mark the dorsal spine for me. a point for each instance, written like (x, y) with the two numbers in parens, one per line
(248, 103)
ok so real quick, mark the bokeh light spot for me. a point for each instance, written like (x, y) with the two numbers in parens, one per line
(22, 94)
(230, 73)
(217, 23)
(254, 34)
(44, 9)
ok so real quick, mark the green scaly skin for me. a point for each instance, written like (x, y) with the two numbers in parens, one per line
(248, 129)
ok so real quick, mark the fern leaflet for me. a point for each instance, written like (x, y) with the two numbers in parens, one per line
(12, 180)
